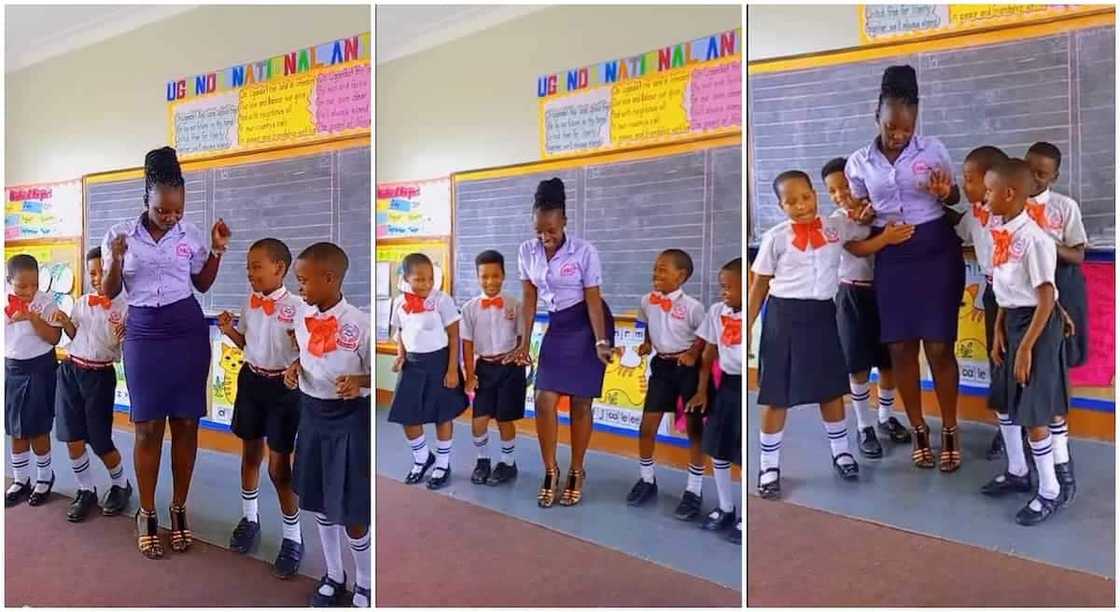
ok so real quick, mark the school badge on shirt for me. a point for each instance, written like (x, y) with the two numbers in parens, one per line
(114, 316)
(183, 250)
(286, 313)
(569, 269)
(511, 314)
(348, 337)
(831, 235)
(678, 312)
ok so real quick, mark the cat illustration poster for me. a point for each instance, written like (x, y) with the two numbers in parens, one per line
(225, 365)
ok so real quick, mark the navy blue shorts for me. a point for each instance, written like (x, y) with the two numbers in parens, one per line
(84, 406)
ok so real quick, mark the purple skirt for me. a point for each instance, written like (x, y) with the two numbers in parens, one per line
(167, 361)
(919, 285)
(568, 363)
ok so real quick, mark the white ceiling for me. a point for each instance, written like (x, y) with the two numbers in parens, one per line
(406, 29)
(34, 33)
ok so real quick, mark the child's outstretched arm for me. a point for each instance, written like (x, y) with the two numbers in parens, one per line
(895, 233)
(225, 324)
(1038, 323)
(699, 402)
(66, 322)
(451, 379)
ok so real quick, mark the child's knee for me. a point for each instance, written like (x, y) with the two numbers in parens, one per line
(279, 469)
(357, 531)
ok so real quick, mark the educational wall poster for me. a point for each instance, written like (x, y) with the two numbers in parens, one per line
(972, 345)
(48, 210)
(225, 365)
(60, 271)
(388, 258)
(676, 92)
(302, 96)
(1100, 369)
(881, 22)
(416, 209)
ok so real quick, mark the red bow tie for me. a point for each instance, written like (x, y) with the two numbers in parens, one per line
(1001, 241)
(15, 305)
(497, 302)
(265, 304)
(1037, 212)
(981, 213)
(732, 331)
(657, 299)
(805, 234)
(413, 303)
(324, 335)
(100, 300)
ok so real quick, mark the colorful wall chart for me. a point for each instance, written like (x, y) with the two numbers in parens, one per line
(305, 95)
(880, 22)
(677, 92)
(416, 209)
(49, 210)
(387, 276)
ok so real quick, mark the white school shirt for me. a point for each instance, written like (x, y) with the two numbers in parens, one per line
(350, 356)
(1061, 219)
(853, 268)
(425, 332)
(96, 339)
(20, 339)
(1031, 261)
(671, 331)
(809, 274)
(711, 330)
(494, 331)
(268, 345)
(975, 228)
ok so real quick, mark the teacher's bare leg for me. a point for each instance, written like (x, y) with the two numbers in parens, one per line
(907, 376)
(581, 429)
(184, 450)
(146, 457)
(946, 379)
(547, 424)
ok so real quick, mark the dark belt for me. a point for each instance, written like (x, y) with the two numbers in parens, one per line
(90, 365)
(266, 373)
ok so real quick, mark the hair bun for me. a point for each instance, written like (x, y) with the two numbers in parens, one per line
(550, 192)
(900, 81)
(161, 158)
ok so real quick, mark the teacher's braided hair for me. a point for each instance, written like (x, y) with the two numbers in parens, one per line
(550, 196)
(161, 167)
(899, 83)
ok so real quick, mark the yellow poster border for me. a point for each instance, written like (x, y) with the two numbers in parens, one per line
(950, 30)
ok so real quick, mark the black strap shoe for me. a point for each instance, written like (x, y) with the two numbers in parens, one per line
(1029, 516)
(288, 559)
(116, 500)
(847, 471)
(80, 508)
(503, 473)
(735, 534)
(641, 492)
(245, 536)
(996, 448)
(772, 489)
(440, 478)
(364, 592)
(1007, 483)
(416, 474)
(17, 493)
(337, 592)
(1066, 481)
(869, 443)
(689, 508)
(897, 433)
(481, 472)
(38, 499)
(718, 520)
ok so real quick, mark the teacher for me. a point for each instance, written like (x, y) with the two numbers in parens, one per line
(158, 258)
(565, 272)
(908, 179)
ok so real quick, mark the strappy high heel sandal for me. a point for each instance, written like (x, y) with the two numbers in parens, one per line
(950, 458)
(923, 454)
(573, 492)
(547, 495)
(147, 534)
(181, 538)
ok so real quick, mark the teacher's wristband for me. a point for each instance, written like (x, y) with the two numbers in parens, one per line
(599, 343)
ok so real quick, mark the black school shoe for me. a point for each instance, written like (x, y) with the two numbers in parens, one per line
(772, 489)
(18, 495)
(895, 431)
(288, 559)
(364, 592)
(735, 534)
(503, 473)
(869, 443)
(1007, 483)
(416, 474)
(1066, 481)
(641, 493)
(847, 471)
(245, 536)
(996, 448)
(38, 499)
(718, 520)
(1028, 516)
(689, 508)
(481, 472)
(116, 500)
(318, 600)
(439, 482)
(80, 508)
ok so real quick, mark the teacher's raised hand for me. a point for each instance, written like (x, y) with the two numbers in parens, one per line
(940, 184)
(219, 237)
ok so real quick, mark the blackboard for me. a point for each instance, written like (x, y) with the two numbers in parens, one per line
(1057, 88)
(629, 210)
(300, 200)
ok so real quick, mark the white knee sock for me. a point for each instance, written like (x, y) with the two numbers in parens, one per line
(21, 467)
(360, 549)
(838, 440)
(43, 472)
(249, 507)
(508, 446)
(886, 404)
(482, 443)
(771, 445)
(1059, 432)
(645, 468)
(82, 472)
(443, 454)
(695, 479)
(419, 448)
(291, 528)
(331, 536)
(861, 396)
(116, 475)
(1043, 452)
(722, 473)
(1013, 443)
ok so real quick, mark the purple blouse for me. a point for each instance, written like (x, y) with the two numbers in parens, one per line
(157, 273)
(897, 191)
(561, 281)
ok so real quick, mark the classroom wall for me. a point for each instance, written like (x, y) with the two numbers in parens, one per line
(777, 30)
(102, 107)
(472, 104)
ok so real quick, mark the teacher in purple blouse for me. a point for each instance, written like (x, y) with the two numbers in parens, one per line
(908, 179)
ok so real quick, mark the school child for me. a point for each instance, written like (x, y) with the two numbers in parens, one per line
(857, 317)
(331, 474)
(265, 409)
(722, 333)
(491, 331)
(430, 388)
(86, 391)
(1030, 385)
(30, 335)
(671, 318)
(1060, 217)
(801, 361)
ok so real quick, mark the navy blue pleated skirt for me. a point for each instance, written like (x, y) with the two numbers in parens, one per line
(1072, 295)
(331, 470)
(420, 396)
(800, 359)
(29, 389)
(568, 363)
(723, 431)
(919, 283)
(167, 361)
(1046, 393)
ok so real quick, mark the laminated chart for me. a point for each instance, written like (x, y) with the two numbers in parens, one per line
(414, 209)
(51, 210)
(880, 22)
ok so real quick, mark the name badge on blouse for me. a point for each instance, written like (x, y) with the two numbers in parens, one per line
(183, 250)
(348, 337)
(569, 269)
(919, 167)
